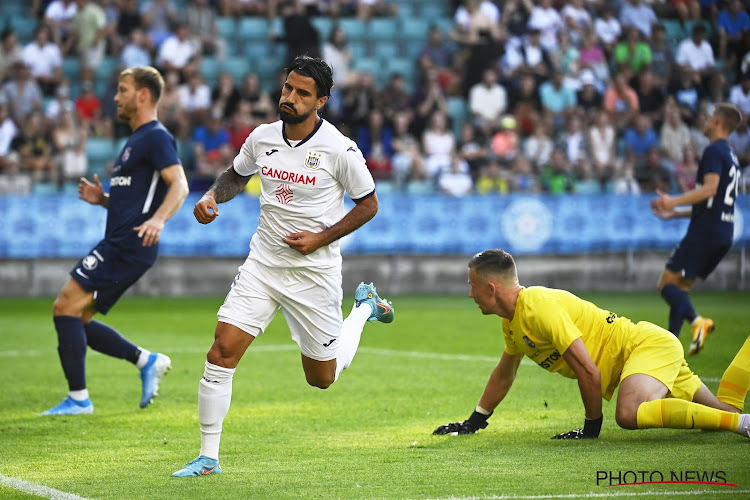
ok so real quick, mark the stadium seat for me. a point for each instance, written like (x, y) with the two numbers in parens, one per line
(368, 65)
(256, 49)
(457, 112)
(324, 25)
(358, 48)
(354, 27)
(432, 11)
(105, 69)
(99, 152)
(382, 29)
(252, 28)
(385, 49)
(238, 66)
(445, 24)
(210, 68)
(414, 29)
(24, 27)
(71, 68)
(405, 67)
(420, 187)
(673, 31)
(227, 28)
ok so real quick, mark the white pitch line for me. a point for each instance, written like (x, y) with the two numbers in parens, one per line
(630, 494)
(37, 489)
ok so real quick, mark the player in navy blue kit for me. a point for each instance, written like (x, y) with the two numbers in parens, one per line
(148, 186)
(709, 235)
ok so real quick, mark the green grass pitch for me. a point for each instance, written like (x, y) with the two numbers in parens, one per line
(368, 436)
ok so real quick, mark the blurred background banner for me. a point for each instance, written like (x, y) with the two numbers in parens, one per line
(60, 226)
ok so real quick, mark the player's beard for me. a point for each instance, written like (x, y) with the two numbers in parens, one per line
(126, 109)
(292, 119)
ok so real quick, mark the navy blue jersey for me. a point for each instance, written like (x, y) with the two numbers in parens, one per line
(137, 189)
(714, 217)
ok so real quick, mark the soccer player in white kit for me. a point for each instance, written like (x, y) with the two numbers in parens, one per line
(305, 166)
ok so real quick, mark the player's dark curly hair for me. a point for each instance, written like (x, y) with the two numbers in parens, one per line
(315, 68)
(496, 261)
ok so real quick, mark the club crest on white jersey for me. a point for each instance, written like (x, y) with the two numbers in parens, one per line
(313, 160)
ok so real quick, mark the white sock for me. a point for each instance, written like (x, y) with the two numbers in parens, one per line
(81, 395)
(351, 332)
(743, 427)
(142, 358)
(214, 397)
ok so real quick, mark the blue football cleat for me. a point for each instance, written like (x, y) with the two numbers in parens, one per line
(157, 366)
(382, 310)
(201, 466)
(70, 406)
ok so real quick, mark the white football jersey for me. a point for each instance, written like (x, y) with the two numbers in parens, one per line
(302, 189)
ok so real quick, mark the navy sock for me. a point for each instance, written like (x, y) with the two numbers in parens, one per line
(107, 340)
(681, 308)
(71, 346)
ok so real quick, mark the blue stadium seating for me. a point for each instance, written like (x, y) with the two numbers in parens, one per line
(238, 66)
(414, 29)
(210, 68)
(227, 27)
(99, 152)
(404, 66)
(252, 28)
(24, 26)
(71, 67)
(382, 29)
(385, 49)
(368, 65)
(355, 28)
(323, 25)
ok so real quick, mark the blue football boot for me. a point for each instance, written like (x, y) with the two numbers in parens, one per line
(382, 310)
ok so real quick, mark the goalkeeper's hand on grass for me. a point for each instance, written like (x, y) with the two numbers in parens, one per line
(591, 429)
(469, 426)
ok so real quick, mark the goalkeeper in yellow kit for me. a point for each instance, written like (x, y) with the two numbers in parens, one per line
(568, 335)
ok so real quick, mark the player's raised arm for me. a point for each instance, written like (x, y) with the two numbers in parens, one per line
(497, 388)
(228, 185)
(174, 177)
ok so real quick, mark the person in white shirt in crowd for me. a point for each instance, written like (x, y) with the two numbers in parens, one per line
(195, 98)
(438, 144)
(58, 16)
(696, 53)
(545, 18)
(488, 100)
(456, 180)
(45, 59)
(577, 20)
(639, 14)
(60, 104)
(177, 51)
(739, 95)
(608, 28)
(462, 16)
(136, 52)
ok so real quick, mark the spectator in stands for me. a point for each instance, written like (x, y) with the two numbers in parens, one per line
(128, 20)
(525, 104)
(602, 142)
(89, 32)
(243, 8)
(262, 107)
(492, 180)
(367, 9)
(407, 160)
(44, 59)
(89, 109)
(639, 139)
(481, 39)
(515, 17)
(592, 57)
(428, 99)
(557, 99)
(505, 141)
(687, 93)
(8, 132)
(22, 94)
(739, 140)
(379, 163)
(734, 33)
(195, 98)
(662, 58)
(170, 109)
(624, 181)
(522, 178)
(573, 141)
(10, 53)
(687, 10)
(69, 139)
(472, 148)
(653, 172)
(608, 28)
(394, 98)
(469, 9)
(437, 51)
(240, 125)
(651, 97)
(359, 100)
(696, 53)
(455, 180)
(200, 18)
(699, 139)
(337, 53)
(739, 95)
(35, 146)
(488, 100)
(158, 18)
(621, 101)
(639, 14)
(545, 18)
(62, 103)
(588, 97)
(212, 151)
(565, 56)
(527, 57)
(577, 20)
(438, 144)
(58, 17)
(538, 148)
(632, 54)
(225, 96)
(178, 52)
(376, 131)
(674, 138)
(136, 52)
(686, 172)
(556, 176)
(300, 36)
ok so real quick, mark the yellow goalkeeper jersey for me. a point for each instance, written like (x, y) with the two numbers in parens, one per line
(547, 321)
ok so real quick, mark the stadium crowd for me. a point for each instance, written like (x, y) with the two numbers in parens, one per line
(556, 96)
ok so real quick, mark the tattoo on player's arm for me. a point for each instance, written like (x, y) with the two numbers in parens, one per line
(228, 185)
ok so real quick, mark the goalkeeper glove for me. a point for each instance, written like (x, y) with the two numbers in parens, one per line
(469, 426)
(591, 429)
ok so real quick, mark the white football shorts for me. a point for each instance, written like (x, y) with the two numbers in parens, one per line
(310, 301)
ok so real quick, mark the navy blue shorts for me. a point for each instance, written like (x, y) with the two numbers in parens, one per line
(696, 256)
(107, 272)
